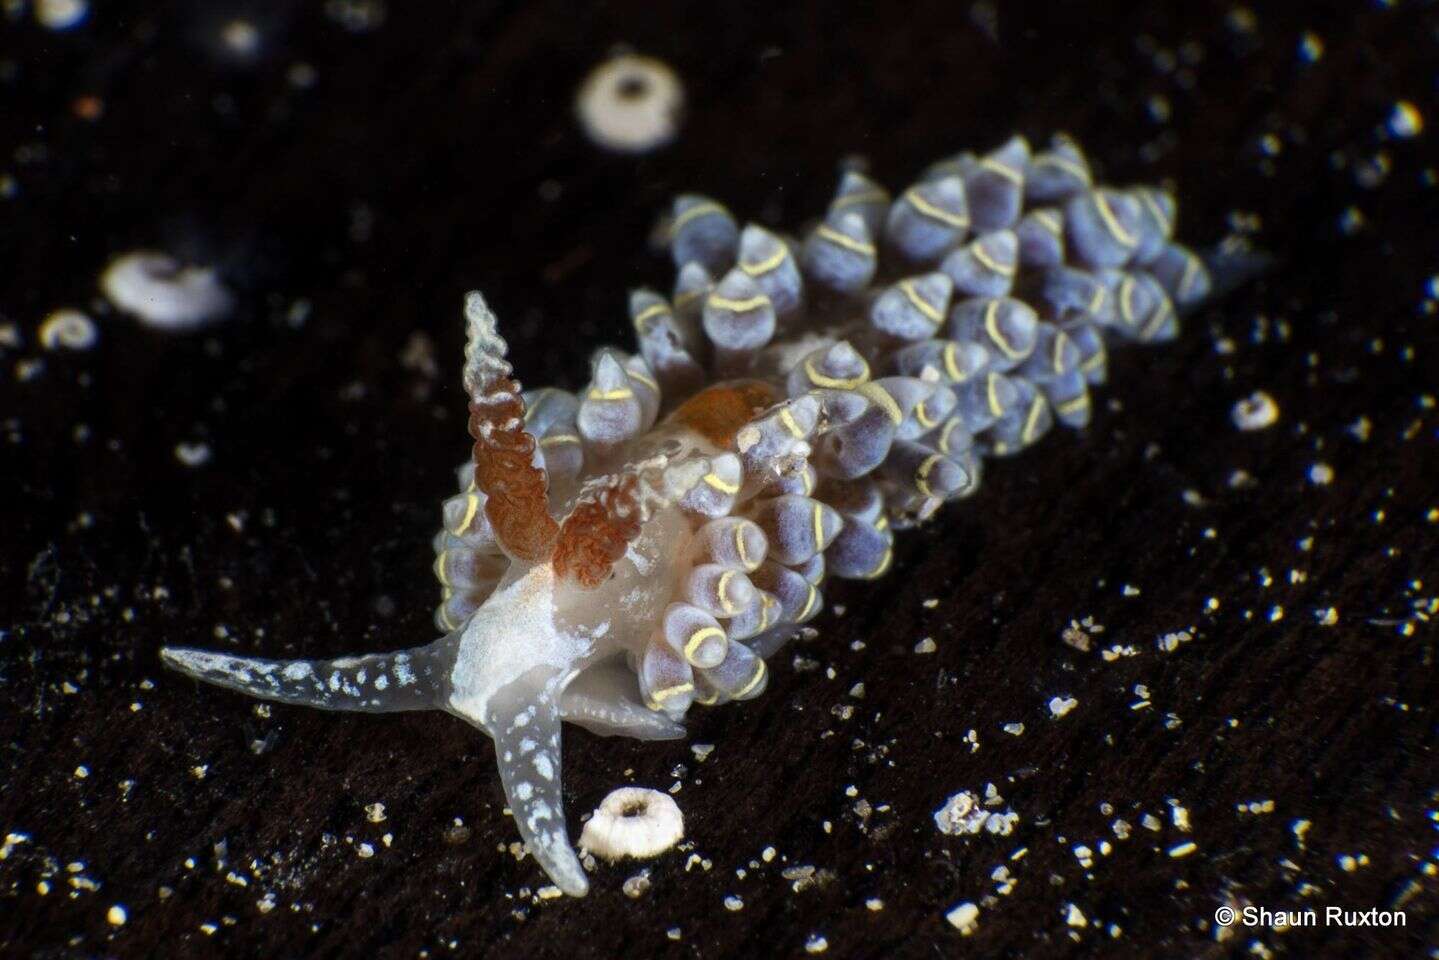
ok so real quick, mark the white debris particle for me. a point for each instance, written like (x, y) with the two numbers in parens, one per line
(1014, 729)
(60, 14)
(1405, 121)
(1179, 816)
(673, 933)
(1299, 828)
(68, 329)
(767, 854)
(1059, 706)
(12, 840)
(549, 892)
(199, 771)
(241, 38)
(1327, 617)
(816, 944)
(156, 290)
(964, 815)
(636, 886)
(1184, 849)
(195, 454)
(733, 903)
(964, 918)
(961, 814)
(702, 750)
(1084, 855)
(1276, 613)
(81, 772)
(631, 104)
(365, 851)
(116, 915)
(874, 904)
(1151, 822)
(633, 822)
(375, 812)
(1130, 590)
(1255, 807)
(1121, 829)
(1074, 916)
(1255, 412)
(1321, 474)
(927, 645)
(1170, 642)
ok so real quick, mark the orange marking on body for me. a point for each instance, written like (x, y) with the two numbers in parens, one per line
(516, 491)
(597, 532)
(717, 412)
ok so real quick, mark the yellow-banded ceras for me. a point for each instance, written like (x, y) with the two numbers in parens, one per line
(618, 555)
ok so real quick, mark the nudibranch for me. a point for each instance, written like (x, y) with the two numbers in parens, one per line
(616, 556)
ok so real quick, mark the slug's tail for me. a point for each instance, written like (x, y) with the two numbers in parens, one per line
(376, 683)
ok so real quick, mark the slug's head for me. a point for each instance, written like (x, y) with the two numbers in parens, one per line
(573, 623)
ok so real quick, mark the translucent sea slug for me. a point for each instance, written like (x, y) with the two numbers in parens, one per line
(616, 556)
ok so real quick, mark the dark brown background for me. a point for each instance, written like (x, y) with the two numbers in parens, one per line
(436, 132)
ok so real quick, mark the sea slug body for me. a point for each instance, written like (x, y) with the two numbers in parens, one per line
(620, 554)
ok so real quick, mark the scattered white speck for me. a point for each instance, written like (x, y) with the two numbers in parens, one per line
(60, 14)
(1014, 729)
(68, 328)
(375, 812)
(874, 904)
(154, 288)
(1183, 849)
(1406, 121)
(192, 454)
(633, 822)
(365, 851)
(636, 886)
(631, 104)
(1327, 617)
(1059, 706)
(964, 918)
(816, 944)
(1074, 916)
(1255, 412)
(117, 915)
(1170, 641)
(241, 38)
(963, 815)
(927, 645)
(1321, 474)
(81, 772)
(702, 750)
(733, 903)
